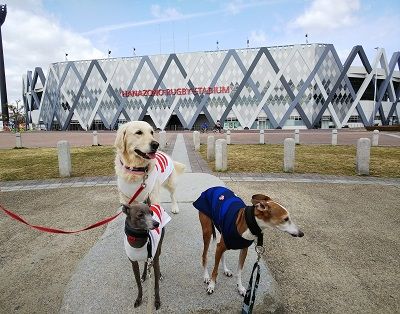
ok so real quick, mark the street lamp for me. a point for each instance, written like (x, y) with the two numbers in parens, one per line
(376, 79)
(109, 53)
(66, 56)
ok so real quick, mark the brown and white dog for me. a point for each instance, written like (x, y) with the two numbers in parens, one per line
(138, 161)
(239, 225)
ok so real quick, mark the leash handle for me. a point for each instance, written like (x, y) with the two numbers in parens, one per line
(55, 230)
(250, 296)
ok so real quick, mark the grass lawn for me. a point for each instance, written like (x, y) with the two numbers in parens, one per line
(321, 159)
(42, 163)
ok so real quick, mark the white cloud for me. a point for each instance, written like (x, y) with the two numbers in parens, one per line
(168, 13)
(32, 38)
(324, 15)
(234, 7)
(257, 38)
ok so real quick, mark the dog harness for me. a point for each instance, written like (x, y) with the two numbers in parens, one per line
(163, 168)
(222, 206)
(141, 254)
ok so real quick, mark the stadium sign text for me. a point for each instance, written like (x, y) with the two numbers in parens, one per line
(176, 91)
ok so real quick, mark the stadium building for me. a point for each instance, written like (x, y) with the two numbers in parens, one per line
(296, 86)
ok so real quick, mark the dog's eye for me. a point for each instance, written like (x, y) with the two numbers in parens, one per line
(286, 219)
(152, 133)
(139, 132)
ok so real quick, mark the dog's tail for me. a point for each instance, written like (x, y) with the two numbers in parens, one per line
(180, 168)
(213, 232)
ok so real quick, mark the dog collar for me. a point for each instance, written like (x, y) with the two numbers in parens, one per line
(135, 233)
(252, 224)
(135, 169)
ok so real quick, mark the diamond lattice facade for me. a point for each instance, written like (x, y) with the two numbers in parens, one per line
(298, 86)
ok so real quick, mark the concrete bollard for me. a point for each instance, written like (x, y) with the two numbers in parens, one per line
(162, 139)
(363, 156)
(196, 140)
(228, 137)
(334, 137)
(18, 140)
(64, 159)
(210, 148)
(288, 154)
(95, 140)
(375, 138)
(262, 139)
(296, 136)
(221, 155)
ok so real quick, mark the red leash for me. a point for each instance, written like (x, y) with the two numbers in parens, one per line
(54, 230)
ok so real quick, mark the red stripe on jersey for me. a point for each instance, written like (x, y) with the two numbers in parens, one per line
(164, 159)
(156, 209)
(160, 163)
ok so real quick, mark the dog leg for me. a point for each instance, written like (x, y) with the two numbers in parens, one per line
(157, 301)
(171, 187)
(227, 272)
(206, 226)
(135, 268)
(242, 258)
(218, 254)
(144, 274)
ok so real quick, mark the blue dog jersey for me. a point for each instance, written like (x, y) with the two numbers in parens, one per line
(222, 206)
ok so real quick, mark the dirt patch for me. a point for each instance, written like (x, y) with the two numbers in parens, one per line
(347, 262)
(35, 267)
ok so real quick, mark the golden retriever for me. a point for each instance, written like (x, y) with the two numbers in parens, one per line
(138, 161)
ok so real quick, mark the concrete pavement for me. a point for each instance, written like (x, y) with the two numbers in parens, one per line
(104, 282)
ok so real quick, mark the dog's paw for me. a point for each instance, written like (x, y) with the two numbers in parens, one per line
(211, 287)
(227, 273)
(157, 304)
(138, 302)
(241, 290)
(206, 279)
(175, 209)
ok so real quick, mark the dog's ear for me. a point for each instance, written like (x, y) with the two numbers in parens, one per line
(120, 139)
(262, 206)
(125, 209)
(257, 198)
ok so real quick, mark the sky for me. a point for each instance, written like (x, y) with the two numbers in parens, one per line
(40, 32)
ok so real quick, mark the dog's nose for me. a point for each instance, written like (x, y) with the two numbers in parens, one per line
(156, 224)
(154, 145)
(301, 233)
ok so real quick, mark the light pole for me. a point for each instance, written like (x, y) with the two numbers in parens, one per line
(66, 56)
(109, 53)
(376, 79)
(3, 88)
